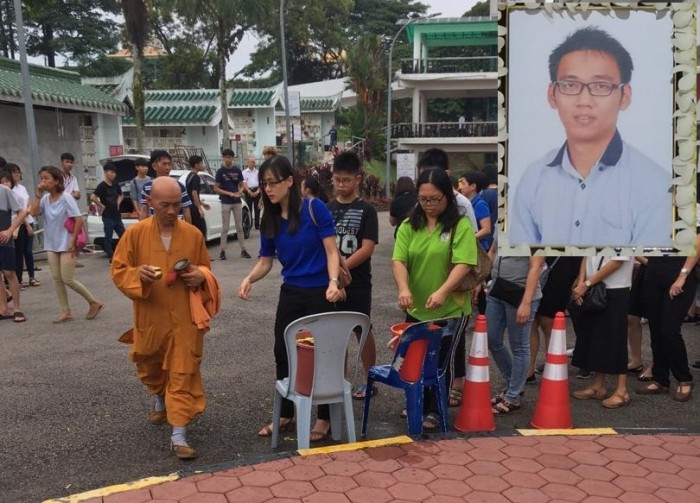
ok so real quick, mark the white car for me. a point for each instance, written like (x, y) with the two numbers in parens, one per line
(126, 171)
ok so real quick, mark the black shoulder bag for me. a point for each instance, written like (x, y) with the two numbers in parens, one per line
(505, 290)
(594, 300)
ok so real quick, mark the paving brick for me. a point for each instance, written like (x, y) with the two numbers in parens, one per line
(429, 447)
(334, 483)
(443, 499)
(149, 501)
(274, 466)
(456, 488)
(651, 451)
(260, 479)
(484, 497)
(292, 489)
(205, 498)
(692, 476)
(384, 453)
(418, 460)
(486, 468)
(695, 489)
(218, 484)
(342, 468)
(627, 456)
(375, 479)
(525, 495)
(235, 472)
(367, 494)
(549, 448)
(581, 445)
(599, 488)
(410, 492)
(296, 472)
(692, 462)
(668, 480)
(639, 498)
(629, 469)
(487, 483)
(452, 458)
(523, 441)
(358, 455)
(282, 500)
(560, 476)
(674, 495)
(644, 440)
(485, 454)
(136, 496)
(93, 500)
(316, 460)
(563, 492)
(600, 499)
(199, 477)
(589, 472)
(522, 465)
(414, 475)
(459, 445)
(660, 465)
(173, 490)
(322, 497)
(614, 442)
(249, 495)
(589, 458)
(450, 472)
(525, 480)
(682, 448)
(556, 461)
(635, 484)
(487, 443)
(387, 466)
(520, 451)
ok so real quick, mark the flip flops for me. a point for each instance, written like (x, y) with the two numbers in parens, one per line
(19, 317)
(287, 425)
(360, 392)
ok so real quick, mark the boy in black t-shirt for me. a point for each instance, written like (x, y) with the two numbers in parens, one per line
(108, 196)
(357, 232)
(193, 184)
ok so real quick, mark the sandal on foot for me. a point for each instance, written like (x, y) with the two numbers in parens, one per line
(63, 318)
(616, 401)
(360, 392)
(588, 393)
(319, 436)
(286, 424)
(635, 370)
(34, 282)
(653, 388)
(504, 407)
(498, 398)
(431, 421)
(94, 311)
(683, 396)
(455, 399)
(19, 317)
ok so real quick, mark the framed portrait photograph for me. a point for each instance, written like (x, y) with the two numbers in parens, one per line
(596, 126)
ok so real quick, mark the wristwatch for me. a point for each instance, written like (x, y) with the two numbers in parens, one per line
(587, 283)
(684, 270)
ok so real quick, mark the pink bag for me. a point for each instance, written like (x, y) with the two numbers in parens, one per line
(82, 240)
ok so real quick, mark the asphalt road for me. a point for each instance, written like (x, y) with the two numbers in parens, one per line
(73, 414)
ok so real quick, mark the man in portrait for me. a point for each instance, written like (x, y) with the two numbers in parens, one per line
(595, 189)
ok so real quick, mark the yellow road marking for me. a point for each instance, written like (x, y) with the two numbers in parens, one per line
(369, 444)
(118, 488)
(571, 432)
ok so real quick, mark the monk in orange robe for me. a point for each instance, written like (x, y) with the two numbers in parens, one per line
(167, 339)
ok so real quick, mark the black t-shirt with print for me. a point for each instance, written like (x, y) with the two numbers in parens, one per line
(109, 196)
(353, 223)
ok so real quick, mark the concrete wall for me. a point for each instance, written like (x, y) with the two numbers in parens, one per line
(204, 137)
(57, 132)
(265, 133)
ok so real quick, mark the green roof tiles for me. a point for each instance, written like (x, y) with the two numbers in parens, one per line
(176, 114)
(55, 88)
(244, 98)
(183, 95)
(319, 104)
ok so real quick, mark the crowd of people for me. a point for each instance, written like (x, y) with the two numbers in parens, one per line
(440, 223)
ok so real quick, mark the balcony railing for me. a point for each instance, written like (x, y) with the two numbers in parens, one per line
(444, 130)
(450, 65)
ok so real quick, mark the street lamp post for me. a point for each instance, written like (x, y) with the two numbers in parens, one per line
(388, 105)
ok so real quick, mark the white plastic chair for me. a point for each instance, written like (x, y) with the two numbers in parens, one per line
(331, 332)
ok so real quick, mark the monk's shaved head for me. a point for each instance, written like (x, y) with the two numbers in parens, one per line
(165, 199)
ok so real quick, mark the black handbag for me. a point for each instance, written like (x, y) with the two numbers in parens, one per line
(594, 300)
(505, 290)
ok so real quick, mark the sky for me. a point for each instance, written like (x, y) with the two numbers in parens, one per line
(447, 8)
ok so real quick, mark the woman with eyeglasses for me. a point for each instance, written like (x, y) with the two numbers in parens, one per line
(301, 233)
(425, 274)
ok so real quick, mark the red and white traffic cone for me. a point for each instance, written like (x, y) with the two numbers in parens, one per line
(475, 413)
(553, 410)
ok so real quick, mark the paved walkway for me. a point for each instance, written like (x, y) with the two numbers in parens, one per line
(528, 469)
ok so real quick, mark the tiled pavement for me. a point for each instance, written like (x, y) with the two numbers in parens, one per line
(528, 469)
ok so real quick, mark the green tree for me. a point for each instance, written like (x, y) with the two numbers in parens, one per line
(137, 29)
(379, 18)
(482, 8)
(8, 44)
(77, 30)
(366, 70)
(186, 67)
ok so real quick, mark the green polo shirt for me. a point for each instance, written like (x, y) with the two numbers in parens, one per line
(425, 254)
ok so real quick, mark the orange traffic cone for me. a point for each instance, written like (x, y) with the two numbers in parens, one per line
(475, 413)
(553, 410)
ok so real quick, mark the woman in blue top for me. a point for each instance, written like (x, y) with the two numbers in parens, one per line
(310, 267)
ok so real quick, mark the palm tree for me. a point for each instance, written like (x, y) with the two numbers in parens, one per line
(137, 28)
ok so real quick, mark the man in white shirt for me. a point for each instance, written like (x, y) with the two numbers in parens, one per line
(252, 190)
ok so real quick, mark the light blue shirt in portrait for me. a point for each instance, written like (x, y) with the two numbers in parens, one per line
(626, 200)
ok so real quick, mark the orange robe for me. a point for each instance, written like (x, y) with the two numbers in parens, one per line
(167, 346)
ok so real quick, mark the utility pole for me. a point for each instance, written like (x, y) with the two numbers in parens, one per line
(290, 140)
